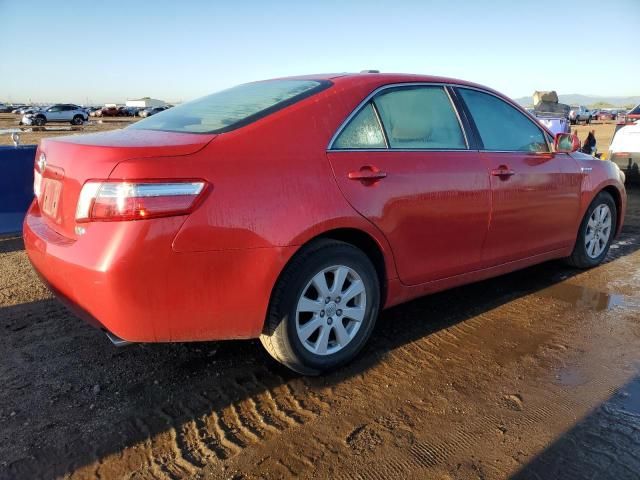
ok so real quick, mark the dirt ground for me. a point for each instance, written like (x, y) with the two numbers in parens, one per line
(533, 375)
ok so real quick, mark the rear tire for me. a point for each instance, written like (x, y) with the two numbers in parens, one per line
(596, 233)
(77, 120)
(312, 330)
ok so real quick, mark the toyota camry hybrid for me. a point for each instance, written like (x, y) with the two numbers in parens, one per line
(293, 210)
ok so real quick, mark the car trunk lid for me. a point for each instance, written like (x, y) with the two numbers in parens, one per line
(64, 164)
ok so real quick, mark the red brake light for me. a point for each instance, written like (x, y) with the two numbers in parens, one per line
(137, 200)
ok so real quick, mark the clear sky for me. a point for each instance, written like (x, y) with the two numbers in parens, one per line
(108, 51)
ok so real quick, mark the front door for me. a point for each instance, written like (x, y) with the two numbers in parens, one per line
(535, 192)
(54, 113)
(403, 162)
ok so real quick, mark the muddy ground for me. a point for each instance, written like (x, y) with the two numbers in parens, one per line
(533, 375)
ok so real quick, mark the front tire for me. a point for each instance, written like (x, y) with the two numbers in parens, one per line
(596, 232)
(323, 308)
(40, 121)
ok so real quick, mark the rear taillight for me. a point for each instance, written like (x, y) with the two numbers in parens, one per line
(131, 200)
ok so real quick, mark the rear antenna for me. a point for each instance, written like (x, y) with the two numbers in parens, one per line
(369, 71)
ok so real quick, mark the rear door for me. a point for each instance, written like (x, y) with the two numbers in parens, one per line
(535, 191)
(403, 161)
(65, 113)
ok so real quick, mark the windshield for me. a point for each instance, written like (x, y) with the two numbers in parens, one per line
(232, 108)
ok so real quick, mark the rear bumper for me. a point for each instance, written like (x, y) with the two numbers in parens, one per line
(124, 277)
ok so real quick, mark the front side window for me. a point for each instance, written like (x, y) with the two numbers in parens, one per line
(501, 126)
(57, 108)
(363, 131)
(420, 118)
(232, 108)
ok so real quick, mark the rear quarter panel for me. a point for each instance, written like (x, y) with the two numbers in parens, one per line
(271, 184)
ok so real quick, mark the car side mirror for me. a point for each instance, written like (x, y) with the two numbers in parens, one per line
(566, 143)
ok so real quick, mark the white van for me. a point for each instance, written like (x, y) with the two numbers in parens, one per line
(625, 151)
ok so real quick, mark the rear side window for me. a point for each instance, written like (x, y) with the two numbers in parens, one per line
(232, 108)
(362, 132)
(420, 118)
(501, 126)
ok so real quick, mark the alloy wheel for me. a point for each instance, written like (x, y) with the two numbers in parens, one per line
(330, 310)
(598, 231)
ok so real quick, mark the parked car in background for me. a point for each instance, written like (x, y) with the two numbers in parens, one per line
(130, 111)
(56, 113)
(110, 112)
(624, 150)
(555, 124)
(605, 116)
(4, 108)
(579, 114)
(633, 114)
(383, 187)
(26, 109)
(147, 112)
(17, 108)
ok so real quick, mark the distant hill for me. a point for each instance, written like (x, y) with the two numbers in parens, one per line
(577, 99)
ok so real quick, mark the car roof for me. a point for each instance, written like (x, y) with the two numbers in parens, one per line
(380, 77)
(374, 79)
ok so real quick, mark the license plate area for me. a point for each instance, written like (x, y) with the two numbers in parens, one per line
(50, 197)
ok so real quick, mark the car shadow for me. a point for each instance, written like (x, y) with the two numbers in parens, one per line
(604, 444)
(70, 398)
(10, 244)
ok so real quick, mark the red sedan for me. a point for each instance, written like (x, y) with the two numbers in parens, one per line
(295, 209)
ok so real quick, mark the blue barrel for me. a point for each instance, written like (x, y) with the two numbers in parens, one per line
(16, 186)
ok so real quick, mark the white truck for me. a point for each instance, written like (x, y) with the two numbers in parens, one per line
(550, 112)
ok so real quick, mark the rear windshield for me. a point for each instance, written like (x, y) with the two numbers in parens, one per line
(232, 108)
(635, 111)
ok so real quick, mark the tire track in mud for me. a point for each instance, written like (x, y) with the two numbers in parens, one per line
(253, 408)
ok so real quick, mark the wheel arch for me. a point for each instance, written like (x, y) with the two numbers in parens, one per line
(360, 239)
(617, 198)
(371, 248)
